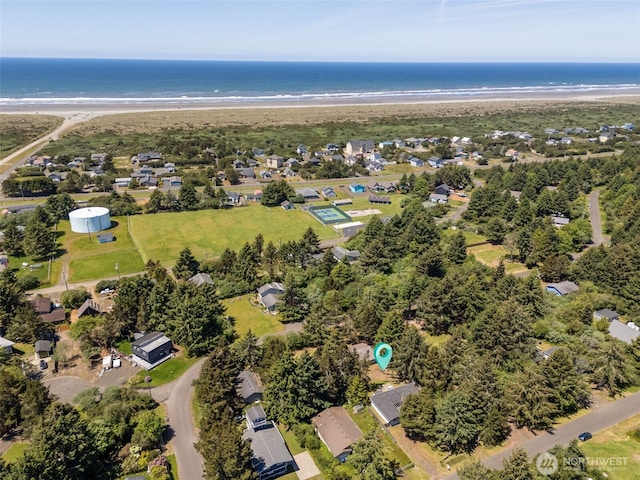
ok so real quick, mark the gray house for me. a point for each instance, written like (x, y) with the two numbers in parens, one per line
(201, 278)
(268, 295)
(269, 454)
(386, 403)
(340, 253)
(42, 348)
(562, 288)
(151, 350)
(256, 418)
(249, 386)
(6, 345)
(606, 313)
(627, 333)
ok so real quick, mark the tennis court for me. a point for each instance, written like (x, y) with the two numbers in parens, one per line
(329, 214)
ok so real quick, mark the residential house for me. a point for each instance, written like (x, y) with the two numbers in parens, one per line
(328, 192)
(357, 188)
(301, 149)
(148, 181)
(379, 199)
(443, 189)
(251, 163)
(416, 162)
(233, 198)
(562, 288)
(351, 229)
(292, 162)
(172, 181)
(47, 311)
(258, 152)
(308, 193)
(566, 141)
(246, 173)
(123, 182)
(249, 386)
(265, 174)
(374, 165)
(74, 164)
(435, 162)
(256, 196)
(355, 147)
(269, 454)
(374, 156)
(559, 221)
(269, 294)
(512, 153)
(287, 172)
(287, 205)
(89, 308)
(256, 418)
(606, 137)
(42, 349)
(550, 131)
(438, 198)
(332, 147)
(610, 315)
(6, 345)
(151, 350)
(337, 430)
(98, 157)
(340, 253)
(630, 127)
(170, 167)
(626, 333)
(149, 156)
(201, 278)
(386, 404)
(238, 164)
(552, 142)
(274, 161)
(363, 351)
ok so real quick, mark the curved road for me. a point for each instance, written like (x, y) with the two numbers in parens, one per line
(177, 397)
(600, 418)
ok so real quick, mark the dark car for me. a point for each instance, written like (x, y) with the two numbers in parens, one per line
(583, 437)
(43, 365)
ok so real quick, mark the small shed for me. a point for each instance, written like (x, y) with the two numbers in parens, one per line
(287, 205)
(42, 348)
(105, 237)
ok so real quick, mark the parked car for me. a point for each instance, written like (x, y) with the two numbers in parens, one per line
(43, 365)
(583, 437)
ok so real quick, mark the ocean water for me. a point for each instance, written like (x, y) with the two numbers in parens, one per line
(25, 81)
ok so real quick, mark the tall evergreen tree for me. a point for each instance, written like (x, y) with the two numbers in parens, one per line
(12, 241)
(369, 460)
(39, 240)
(457, 251)
(186, 266)
(409, 358)
(188, 197)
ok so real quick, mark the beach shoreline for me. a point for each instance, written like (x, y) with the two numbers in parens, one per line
(94, 108)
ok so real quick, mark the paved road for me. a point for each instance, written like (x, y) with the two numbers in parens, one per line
(600, 418)
(177, 398)
(594, 218)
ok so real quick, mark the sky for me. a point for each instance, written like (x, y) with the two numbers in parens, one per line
(329, 30)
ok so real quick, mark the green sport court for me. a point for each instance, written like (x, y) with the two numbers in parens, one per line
(329, 215)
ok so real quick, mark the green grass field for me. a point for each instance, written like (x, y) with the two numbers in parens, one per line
(250, 317)
(208, 232)
(15, 451)
(615, 444)
(164, 373)
(89, 260)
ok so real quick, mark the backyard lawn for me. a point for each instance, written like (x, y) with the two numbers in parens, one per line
(208, 232)
(15, 451)
(251, 317)
(90, 260)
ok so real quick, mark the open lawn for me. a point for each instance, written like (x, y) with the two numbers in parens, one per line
(291, 440)
(90, 260)
(38, 269)
(471, 237)
(208, 232)
(252, 317)
(15, 451)
(164, 373)
(617, 447)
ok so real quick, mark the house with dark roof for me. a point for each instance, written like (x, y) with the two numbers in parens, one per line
(47, 311)
(562, 288)
(438, 198)
(610, 315)
(249, 386)
(386, 404)
(626, 333)
(269, 294)
(435, 162)
(149, 156)
(308, 193)
(256, 418)
(246, 173)
(89, 308)
(337, 430)
(416, 162)
(269, 454)
(442, 189)
(328, 192)
(379, 199)
(42, 349)
(151, 350)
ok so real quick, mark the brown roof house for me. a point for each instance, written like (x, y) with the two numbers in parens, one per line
(337, 430)
(47, 311)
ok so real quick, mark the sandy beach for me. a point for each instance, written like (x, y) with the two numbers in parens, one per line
(87, 118)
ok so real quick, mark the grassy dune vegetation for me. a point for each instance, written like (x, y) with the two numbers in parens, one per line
(17, 131)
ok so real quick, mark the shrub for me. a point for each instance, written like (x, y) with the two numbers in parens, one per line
(28, 282)
(74, 298)
(106, 284)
